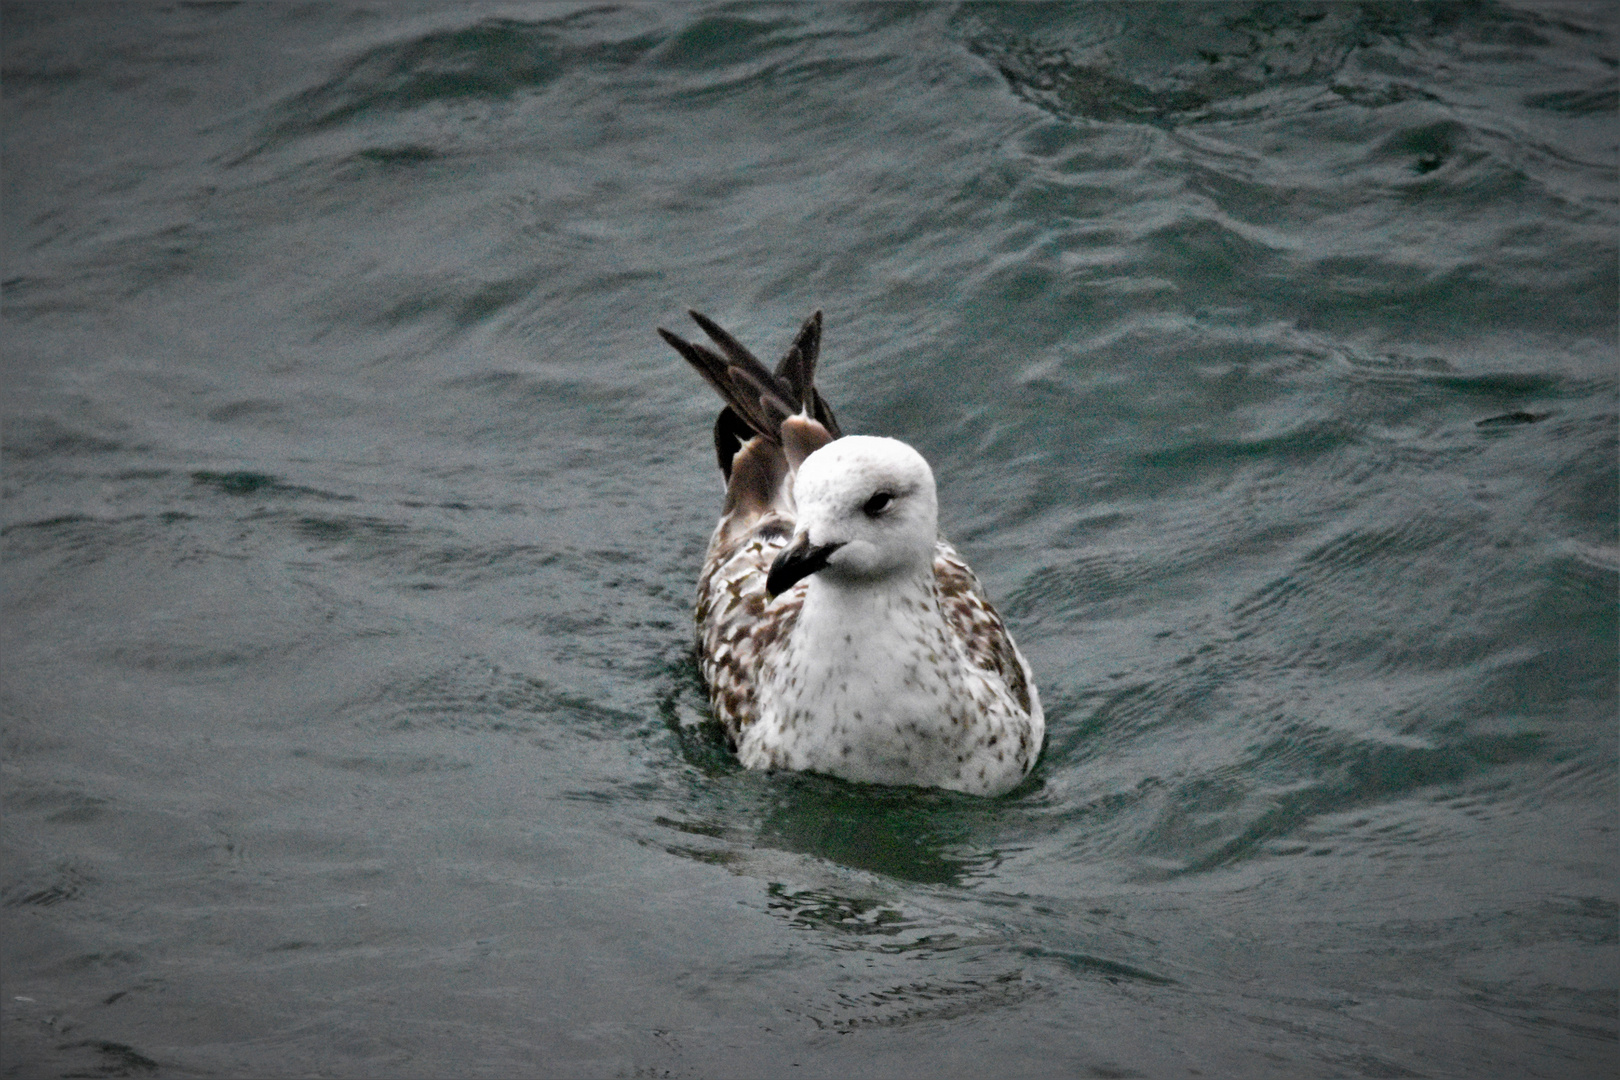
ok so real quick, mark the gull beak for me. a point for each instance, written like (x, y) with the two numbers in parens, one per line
(797, 562)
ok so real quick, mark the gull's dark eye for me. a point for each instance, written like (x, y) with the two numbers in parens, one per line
(877, 504)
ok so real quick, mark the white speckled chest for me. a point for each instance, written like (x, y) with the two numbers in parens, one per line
(872, 688)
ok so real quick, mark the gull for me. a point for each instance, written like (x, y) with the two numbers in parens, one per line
(837, 631)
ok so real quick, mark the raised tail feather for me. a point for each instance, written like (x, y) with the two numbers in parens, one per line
(758, 400)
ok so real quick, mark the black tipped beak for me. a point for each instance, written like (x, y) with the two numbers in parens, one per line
(797, 563)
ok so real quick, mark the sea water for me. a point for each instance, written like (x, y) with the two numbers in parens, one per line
(1265, 354)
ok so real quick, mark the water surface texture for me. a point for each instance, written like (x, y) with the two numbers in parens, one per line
(1266, 356)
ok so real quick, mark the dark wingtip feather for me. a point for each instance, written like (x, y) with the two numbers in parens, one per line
(823, 412)
(808, 344)
(761, 393)
(718, 373)
(772, 402)
(730, 433)
(734, 349)
(710, 366)
(757, 399)
(798, 364)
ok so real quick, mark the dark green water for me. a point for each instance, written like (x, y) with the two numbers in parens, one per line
(1267, 359)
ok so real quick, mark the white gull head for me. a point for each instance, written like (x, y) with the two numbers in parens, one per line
(867, 514)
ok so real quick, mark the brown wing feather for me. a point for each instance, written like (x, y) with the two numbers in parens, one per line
(984, 636)
(737, 621)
